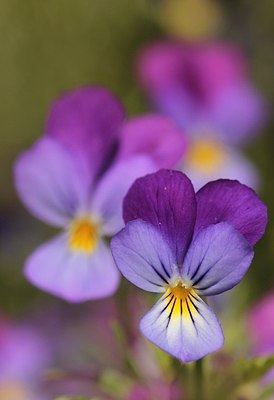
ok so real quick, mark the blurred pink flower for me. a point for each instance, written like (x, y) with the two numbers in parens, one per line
(206, 90)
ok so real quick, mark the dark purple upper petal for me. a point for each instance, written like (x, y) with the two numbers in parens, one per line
(202, 69)
(87, 122)
(155, 136)
(229, 201)
(166, 199)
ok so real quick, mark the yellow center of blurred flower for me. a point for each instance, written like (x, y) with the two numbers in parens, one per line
(205, 155)
(83, 235)
(180, 300)
(10, 390)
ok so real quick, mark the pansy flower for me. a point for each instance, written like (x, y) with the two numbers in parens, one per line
(75, 178)
(184, 247)
(205, 88)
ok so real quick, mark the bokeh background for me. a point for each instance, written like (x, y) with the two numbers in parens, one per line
(48, 47)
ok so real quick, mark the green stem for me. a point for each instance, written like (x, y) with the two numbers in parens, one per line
(199, 380)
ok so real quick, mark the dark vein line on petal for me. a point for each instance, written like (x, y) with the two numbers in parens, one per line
(171, 311)
(166, 305)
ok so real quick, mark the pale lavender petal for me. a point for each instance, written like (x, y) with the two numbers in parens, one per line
(143, 256)
(49, 183)
(238, 113)
(72, 275)
(108, 197)
(155, 136)
(232, 165)
(217, 259)
(187, 330)
(87, 122)
(226, 200)
(167, 200)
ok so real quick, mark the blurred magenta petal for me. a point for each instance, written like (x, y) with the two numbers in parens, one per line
(23, 352)
(49, 182)
(155, 136)
(74, 276)
(260, 324)
(150, 199)
(110, 191)
(206, 67)
(217, 249)
(87, 122)
(232, 202)
(24, 356)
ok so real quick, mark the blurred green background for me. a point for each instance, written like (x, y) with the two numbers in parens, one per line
(52, 46)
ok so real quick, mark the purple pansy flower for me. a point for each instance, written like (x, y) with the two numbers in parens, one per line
(75, 178)
(205, 88)
(185, 246)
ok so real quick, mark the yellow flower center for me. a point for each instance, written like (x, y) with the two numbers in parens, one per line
(83, 235)
(180, 301)
(205, 155)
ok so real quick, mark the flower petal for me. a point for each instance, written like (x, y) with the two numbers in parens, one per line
(226, 200)
(188, 330)
(167, 200)
(238, 113)
(217, 259)
(86, 121)
(108, 197)
(155, 136)
(73, 276)
(232, 165)
(143, 256)
(49, 183)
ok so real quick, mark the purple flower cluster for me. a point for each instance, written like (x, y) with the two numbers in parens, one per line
(92, 164)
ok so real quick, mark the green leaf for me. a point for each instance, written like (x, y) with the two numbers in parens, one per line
(254, 369)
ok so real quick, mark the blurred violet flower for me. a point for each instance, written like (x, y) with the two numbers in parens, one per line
(24, 354)
(205, 89)
(185, 246)
(75, 178)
